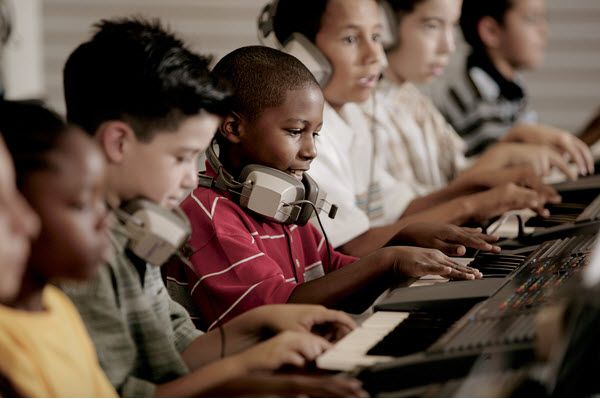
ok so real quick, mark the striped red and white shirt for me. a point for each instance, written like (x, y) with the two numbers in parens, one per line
(241, 261)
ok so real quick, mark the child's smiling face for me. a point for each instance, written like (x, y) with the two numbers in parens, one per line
(283, 137)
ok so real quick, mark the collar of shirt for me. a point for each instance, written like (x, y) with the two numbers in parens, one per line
(509, 89)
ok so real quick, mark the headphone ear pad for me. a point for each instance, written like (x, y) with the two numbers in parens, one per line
(311, 193)
(312, 58)
(154, 233)
(271, 193)
(389, 37)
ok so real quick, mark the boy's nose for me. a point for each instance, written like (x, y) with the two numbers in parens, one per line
(308, 149)
(190, 178)
(373, 52)
(447, 42)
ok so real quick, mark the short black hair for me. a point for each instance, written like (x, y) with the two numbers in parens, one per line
(298, 16)
(403, 7)
(31, 131)
(474, 11)
(260, 77)
(137, 71)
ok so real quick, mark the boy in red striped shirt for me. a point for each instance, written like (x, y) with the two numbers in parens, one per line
(242, 260)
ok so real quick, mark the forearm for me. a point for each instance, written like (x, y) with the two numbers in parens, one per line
(201, 380)
(457, 188)
(207, 347)
(454, 211)
(519, 133)
(352, 288)
(371, 240)
(495, 157)
(457, 211)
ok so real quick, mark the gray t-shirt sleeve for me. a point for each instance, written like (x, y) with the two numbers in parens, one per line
(185, 332)
(98, 306)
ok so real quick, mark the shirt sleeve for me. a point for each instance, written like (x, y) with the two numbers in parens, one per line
(183, 328)
(134, 387)
(338, 259)
(232, 274)
(452, 146)
(102, 386)
(350, 221)
(97, 305)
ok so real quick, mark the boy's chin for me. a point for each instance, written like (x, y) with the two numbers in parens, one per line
(170, 203)
(426, 79)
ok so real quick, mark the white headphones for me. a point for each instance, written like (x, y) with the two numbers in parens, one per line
(155, 233)
(307, 52)
(269, 192)
(389, 37)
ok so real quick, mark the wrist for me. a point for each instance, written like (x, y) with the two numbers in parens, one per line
(237, 365)
(468, 182)
(245, 362)
(463, 208)
(249, 323)
(386, 259)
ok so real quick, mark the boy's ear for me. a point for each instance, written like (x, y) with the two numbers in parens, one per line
(489, 31)
(231, 129)
(115, 137)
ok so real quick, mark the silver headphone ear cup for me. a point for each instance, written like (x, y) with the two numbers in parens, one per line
(297, 45)
(271, 193)
(265, 32)
(154, 233)
(310, 55)
(389, 36)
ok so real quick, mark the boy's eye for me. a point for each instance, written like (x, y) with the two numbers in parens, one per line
(294, 132)
(350, 39)
(78, 204)
(376, 37)
(534, 19)
(183, 158)
(431, 26)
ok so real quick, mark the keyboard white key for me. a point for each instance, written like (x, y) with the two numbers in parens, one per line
(351, 350)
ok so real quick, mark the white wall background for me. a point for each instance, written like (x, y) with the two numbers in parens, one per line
(22, 58)
(565, 91)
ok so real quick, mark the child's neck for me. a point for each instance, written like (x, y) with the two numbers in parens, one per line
(502, 65)
(30, 294)
(393, 76)
(231, 161)
(336, 107)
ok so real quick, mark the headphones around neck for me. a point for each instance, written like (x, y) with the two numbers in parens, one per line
(307, 52)
(269, 192)
(154, 233)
